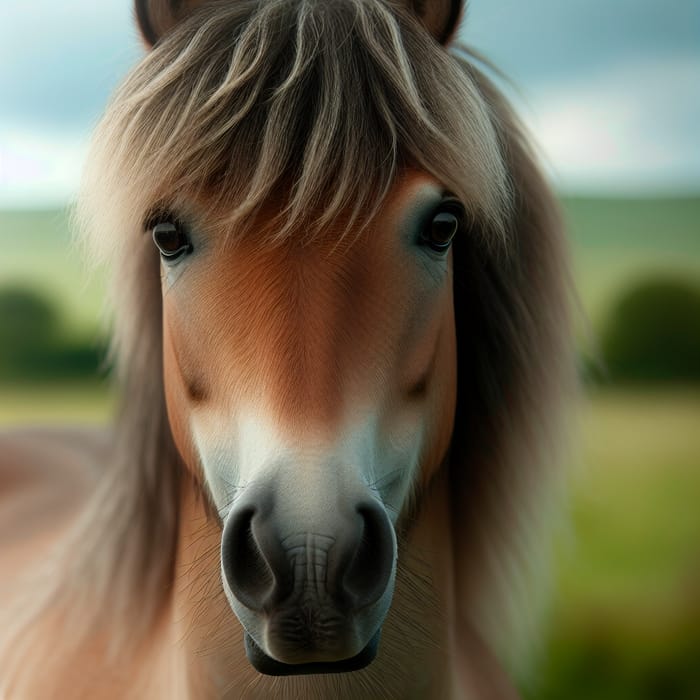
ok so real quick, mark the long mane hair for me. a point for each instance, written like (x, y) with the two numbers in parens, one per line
(321, 104)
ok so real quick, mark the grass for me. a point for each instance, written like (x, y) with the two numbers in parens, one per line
(55, 403)
(617, 241)
(625, 620)
(38, 252)
(641, 449)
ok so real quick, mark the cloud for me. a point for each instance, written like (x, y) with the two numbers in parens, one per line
(38, 168)
(60, 61)
(629, 127)
(612, 89)
(551, 39)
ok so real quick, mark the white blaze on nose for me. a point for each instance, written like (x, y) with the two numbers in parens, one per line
(244, 446)
(235, 449)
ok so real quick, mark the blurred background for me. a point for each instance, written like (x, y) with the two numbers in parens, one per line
(611, 92)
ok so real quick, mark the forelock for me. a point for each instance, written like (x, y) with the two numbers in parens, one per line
(309, 103)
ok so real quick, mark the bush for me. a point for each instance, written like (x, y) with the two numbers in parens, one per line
(32, 345)
(26, 319)
(652, 333)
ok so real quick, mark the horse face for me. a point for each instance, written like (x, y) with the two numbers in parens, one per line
(311, 388)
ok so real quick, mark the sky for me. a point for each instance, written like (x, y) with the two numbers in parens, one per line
(610, 89)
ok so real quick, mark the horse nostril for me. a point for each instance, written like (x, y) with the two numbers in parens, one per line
(370, 570)
(262, 572)
(244, 564)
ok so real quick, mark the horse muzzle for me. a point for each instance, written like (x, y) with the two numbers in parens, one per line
(310, 585)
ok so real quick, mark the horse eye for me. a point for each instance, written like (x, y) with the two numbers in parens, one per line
(443, 226)
(172, 240)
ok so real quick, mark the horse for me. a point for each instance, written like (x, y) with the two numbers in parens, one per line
(341, 341)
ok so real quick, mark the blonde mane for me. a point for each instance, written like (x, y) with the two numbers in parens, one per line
(317, 106)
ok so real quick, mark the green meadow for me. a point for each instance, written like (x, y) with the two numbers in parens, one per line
(38, 251)
(624, 619)
(615, 242)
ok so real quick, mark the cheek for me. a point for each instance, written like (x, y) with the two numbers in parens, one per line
(177, 401)
(441, 403)
(437, 350)
(424, 381)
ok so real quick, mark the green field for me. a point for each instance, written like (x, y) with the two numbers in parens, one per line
(617, 241)
(625, 618)
(55, 403)
(38, 251)
(624, 622)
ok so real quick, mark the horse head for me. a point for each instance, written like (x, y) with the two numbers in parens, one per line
(326, 211)
(310, 383)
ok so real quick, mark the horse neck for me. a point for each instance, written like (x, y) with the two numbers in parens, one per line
(198, 645)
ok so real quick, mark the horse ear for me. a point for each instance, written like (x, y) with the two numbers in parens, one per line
(155, 18)
(440, 17)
